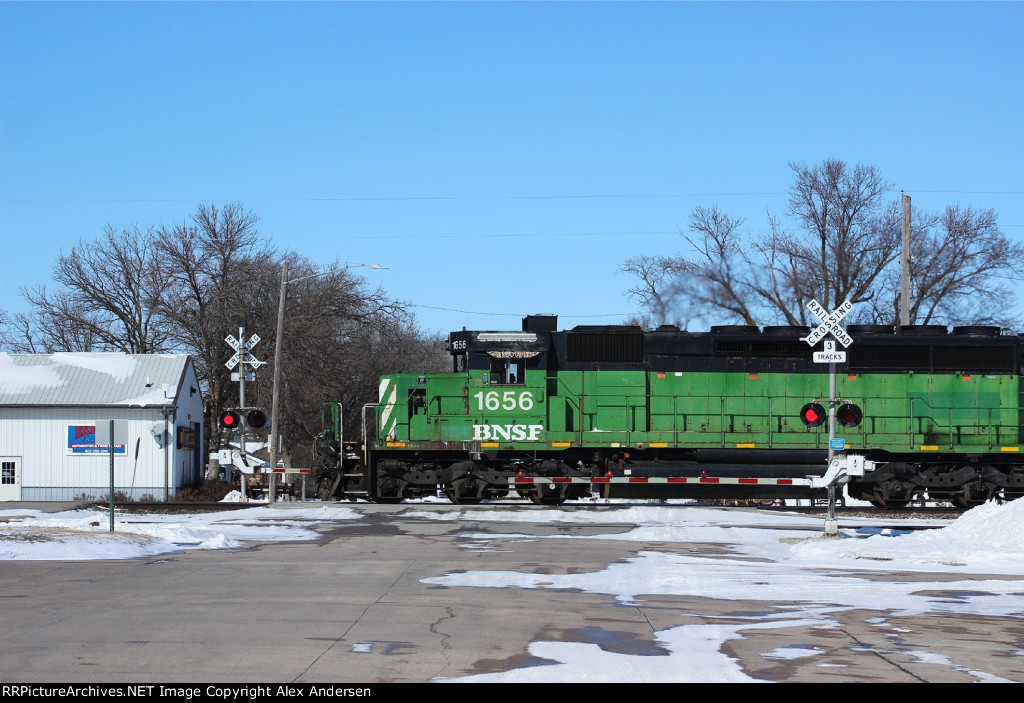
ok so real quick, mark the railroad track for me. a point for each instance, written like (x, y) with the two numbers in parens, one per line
(936, 512)
(172, 507)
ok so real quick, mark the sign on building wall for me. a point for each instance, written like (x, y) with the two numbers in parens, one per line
(186, 438)
(82, 440)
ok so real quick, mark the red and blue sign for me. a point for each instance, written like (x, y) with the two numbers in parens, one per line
(82, 440)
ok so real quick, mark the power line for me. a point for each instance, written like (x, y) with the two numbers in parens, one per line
(330, 237)
(385, 198)
(406, 198)
(964, 192)
(334, 237)
(498, 236)
(477, 236)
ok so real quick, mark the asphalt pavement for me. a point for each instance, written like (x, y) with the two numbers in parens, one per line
(352, 608)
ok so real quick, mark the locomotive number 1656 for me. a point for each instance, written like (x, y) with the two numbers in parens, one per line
(504, 400)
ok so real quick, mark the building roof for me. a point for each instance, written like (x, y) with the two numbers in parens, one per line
(93, 379)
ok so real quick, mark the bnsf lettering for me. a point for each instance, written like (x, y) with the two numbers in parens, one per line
(528, 433)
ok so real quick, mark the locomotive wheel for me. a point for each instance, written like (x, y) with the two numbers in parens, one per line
(462, 500)
(546, 500)
(971, 496)
(894, 504)
(871, 498)
(962, 502)
(327, 487)
(549, 494)
(389, 490)
(464, 491)
(892, 494)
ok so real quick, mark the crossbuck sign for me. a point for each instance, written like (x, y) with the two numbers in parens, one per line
(829, 323)
(243, 351)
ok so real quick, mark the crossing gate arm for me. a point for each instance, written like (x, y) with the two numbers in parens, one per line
(247, 464)
(839, 472)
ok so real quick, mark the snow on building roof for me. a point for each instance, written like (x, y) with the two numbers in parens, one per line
(68, 378)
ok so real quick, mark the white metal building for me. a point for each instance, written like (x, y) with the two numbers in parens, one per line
(51, 405)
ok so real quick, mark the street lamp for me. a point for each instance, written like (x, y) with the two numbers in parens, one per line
(277, 357)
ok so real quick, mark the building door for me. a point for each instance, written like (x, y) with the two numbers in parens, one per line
(10, 478)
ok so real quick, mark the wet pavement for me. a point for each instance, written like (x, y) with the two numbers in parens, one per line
(357, 606)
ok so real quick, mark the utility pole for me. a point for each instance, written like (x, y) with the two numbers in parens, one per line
(275, 438)
(905, 264)
(274, 441)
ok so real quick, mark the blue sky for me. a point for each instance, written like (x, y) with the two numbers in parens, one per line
(499, 159)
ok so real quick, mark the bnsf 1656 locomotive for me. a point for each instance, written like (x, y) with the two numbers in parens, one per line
(734, 412)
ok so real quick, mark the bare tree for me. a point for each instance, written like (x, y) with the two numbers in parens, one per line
(844, 245)
(45, 329)
(661, 282)
(722, 276)
(107, 300)
(957, 271)
(849, 236)
(340, 335)
(184, 288)
(211, 263)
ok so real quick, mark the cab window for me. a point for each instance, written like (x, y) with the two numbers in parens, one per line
(506, 372)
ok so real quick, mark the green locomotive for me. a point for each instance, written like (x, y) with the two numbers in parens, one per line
(736, 412)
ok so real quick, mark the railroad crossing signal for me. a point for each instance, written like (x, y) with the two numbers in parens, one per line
(243, 352)
(829, 323)
(232, 419)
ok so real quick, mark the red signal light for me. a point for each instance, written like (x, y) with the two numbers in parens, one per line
(230, 419)
(256, 418)
(849, 415)
(812, 414)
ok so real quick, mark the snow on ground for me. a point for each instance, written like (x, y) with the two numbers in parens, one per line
(81, 535)
(775, 557)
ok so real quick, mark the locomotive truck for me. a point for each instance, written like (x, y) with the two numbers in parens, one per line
(735, 412)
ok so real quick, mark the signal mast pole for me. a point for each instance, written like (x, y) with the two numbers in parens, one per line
(242, 358)
(830, 327)
(241, 393)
